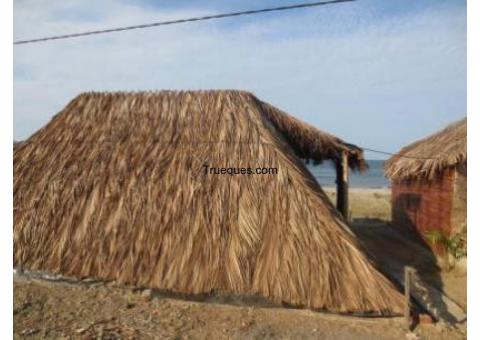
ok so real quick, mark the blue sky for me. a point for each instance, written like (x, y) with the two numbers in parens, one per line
(377, 73)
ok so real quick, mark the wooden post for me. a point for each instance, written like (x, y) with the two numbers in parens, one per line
(342, 185)
(408, 276)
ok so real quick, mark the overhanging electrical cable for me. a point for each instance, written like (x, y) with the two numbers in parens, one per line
(181, 21)
(394, 154)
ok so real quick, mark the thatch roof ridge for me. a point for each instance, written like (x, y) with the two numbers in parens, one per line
(308, 142)
(429, 156)
(164, 91)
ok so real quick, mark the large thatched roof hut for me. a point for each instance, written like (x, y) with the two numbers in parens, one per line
(118, 186)
(429, 183)
(16, 144)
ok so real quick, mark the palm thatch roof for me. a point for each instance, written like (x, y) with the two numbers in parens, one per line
(430, 156)
(16, 144)
(114, 188)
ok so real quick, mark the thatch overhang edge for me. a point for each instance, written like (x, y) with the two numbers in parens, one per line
(310, 143)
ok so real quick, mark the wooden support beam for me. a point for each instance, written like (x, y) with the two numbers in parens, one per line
(408, 273)
(342, 185)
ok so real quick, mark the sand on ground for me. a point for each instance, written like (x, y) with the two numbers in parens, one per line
(366, 203)
(46, 310)
(370, 219)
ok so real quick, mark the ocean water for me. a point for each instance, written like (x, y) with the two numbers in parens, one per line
(373, 177)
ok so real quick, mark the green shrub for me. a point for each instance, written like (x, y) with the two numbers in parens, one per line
(456, 245)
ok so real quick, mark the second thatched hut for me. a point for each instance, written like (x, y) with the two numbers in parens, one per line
(429, 186)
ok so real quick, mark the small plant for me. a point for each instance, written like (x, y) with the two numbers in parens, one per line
(456, 245)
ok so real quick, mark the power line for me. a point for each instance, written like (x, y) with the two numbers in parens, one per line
(196, 142)
(395, 154)
(271, 143)
(181, 21)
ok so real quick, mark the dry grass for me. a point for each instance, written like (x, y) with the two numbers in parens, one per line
(114, 188)
(428, 157)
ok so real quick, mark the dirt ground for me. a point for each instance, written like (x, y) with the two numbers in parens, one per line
(64, 311)
(58, 310)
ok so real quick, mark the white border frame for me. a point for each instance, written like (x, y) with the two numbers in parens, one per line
(473, 182)
(6, 166)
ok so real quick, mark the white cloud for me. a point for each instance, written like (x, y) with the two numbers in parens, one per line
(367, 83)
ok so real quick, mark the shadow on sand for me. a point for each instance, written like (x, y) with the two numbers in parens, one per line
(393, 249)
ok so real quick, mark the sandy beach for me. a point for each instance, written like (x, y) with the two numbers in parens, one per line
(366, 203)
